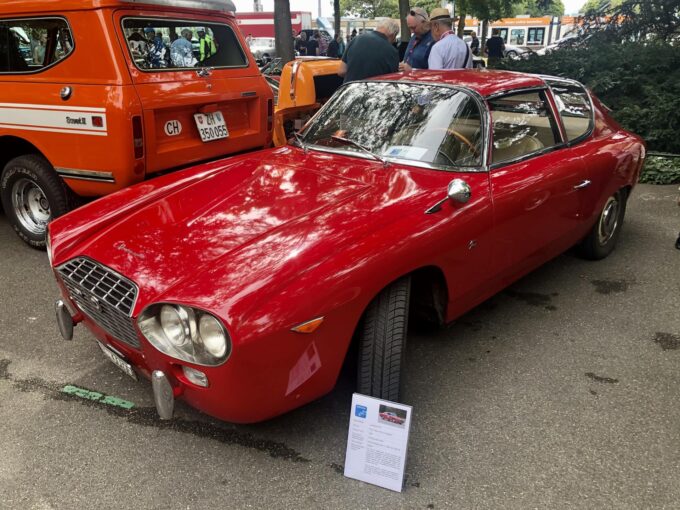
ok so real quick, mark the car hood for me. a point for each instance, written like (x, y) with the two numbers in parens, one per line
(193, 228)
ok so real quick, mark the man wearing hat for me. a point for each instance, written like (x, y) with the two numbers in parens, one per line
(449, 50)
(418, 49)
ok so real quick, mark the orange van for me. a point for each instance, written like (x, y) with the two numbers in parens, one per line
(96, 95)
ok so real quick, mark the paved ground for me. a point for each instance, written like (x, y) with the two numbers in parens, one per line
(559, 393)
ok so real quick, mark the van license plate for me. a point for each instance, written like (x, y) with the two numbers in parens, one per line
(118, 361)
(211, 126)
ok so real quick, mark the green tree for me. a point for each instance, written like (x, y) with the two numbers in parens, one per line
(537, 8)
(370, 8)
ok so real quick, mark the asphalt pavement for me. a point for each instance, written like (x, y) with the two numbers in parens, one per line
(560, 392)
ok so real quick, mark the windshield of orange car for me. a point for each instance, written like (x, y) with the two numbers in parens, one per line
(430, 124)
(162, 44)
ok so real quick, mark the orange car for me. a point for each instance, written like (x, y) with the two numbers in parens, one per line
(100, 94)
(305, 85)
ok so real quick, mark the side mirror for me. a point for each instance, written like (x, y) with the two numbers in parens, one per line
(459, 191)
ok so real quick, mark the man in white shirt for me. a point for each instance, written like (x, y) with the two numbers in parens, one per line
(450, 51)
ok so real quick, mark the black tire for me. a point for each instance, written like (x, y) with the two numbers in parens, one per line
(602, 238)
(382, 342)
(32, 195)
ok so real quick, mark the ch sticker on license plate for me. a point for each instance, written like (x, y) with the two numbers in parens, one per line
(211, 126)
(118, 361)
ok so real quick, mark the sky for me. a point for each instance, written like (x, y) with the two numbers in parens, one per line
(570, 6)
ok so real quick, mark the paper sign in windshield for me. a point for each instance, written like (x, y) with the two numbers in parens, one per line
(405, 152)
(377, 442)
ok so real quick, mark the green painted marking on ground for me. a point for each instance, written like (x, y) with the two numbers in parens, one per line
(97, 397)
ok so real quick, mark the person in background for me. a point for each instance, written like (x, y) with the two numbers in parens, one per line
(337, 47)
(156, 48)
(249, 39)
(301, 44)
(39, 49)
(182, 51)
(353, 35)
(312, 46)
(449, 50)
(474, 45)
(322, 42)
(420, 45)
(372, 53)
(206, 44)
(495, 47)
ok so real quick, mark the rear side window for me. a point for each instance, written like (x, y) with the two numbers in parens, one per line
(32, 45)
(166, 44)
(522, 124)
(574, 107)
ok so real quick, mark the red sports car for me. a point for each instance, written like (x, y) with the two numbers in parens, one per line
(238, 285)
(391, 417)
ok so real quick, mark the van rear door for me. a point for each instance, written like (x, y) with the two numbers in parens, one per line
(202, 95)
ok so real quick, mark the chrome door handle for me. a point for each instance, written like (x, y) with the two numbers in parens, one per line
(584, 184)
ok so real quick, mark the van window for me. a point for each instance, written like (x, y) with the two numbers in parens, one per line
(574, 107)
(166, 44)
(522, 124)
(31, 45)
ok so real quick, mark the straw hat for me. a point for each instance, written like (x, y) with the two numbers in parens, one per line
(440, 14)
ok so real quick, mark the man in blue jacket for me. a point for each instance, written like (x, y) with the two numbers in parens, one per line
(418, 49)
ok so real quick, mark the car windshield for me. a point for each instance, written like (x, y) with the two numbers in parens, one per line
(165, 44)
(430, 124)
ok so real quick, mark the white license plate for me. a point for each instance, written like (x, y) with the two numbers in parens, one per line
(211, 126)
(118, 361)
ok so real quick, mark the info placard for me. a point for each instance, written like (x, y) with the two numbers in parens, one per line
(377, 442)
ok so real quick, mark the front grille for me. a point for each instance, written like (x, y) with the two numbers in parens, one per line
(105, 296)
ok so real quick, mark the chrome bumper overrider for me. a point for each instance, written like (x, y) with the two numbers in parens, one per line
(163, 395)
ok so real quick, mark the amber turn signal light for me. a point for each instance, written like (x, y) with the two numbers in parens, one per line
(309, 326)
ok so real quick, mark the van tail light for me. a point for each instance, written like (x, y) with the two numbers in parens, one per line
(270, 114)
(138, 136)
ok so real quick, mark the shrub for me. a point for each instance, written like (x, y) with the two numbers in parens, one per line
(660, 170)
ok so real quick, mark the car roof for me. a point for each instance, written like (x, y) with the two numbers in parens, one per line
(486, 82)
(41, 6)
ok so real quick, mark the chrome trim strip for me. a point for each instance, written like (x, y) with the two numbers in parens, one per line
(86, 175)
(536, 88)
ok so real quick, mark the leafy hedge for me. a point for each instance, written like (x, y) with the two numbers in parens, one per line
(660, 170)
(639, 81)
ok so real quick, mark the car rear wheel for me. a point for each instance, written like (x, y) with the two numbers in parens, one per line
(512, 54)
(602, 238)
(32, 195)
(382, 342)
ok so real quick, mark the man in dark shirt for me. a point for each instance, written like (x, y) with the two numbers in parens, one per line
(495, 47)
(474, 44)
(372, 53)
(312, 46)
(418, 49)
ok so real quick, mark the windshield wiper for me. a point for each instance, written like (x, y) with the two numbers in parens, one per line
(298, 138)
(347, 141)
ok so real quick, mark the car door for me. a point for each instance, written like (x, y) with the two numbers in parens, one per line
(535, 179)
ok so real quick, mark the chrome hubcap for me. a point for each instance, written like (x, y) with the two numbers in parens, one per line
(609, 220)
(31, 206)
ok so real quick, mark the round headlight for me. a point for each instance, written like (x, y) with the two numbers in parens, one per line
(173, 325)
(212, 335)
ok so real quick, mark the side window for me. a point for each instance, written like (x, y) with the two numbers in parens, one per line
(31, 45)
(517, 36)
(574, 107)
(536, 36)
(522, 124)
(162, 44)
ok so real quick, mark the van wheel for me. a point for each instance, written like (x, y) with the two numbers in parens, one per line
(382, 342)
(32, 195)
(602, 238)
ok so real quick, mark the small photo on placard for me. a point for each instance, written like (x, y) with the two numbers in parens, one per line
(392, 415)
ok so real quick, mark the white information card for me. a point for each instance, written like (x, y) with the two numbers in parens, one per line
(377, 441)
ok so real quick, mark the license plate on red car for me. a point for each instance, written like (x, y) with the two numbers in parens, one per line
(118, 361)
(211, 126)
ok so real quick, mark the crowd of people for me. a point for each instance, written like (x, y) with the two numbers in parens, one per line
(152, 50)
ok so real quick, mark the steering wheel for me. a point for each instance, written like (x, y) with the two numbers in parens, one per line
(461, 138)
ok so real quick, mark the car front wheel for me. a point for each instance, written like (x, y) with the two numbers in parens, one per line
(32, 195)
(383, 342)
(602, 238)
